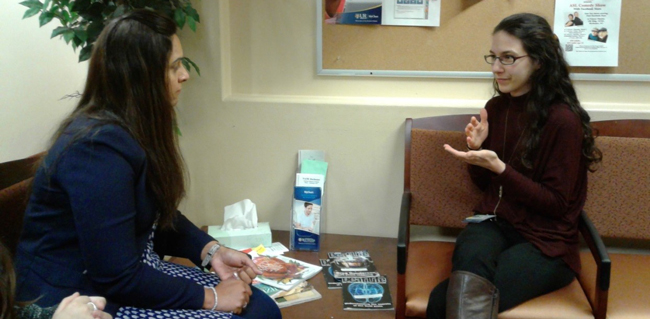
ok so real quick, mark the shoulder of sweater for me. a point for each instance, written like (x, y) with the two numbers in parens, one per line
(85, 132)
(561, 114)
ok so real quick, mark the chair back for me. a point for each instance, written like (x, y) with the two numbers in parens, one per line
(15, 181)
(442, 193)
(618, 197)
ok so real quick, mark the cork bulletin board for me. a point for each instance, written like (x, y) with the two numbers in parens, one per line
(456, 48)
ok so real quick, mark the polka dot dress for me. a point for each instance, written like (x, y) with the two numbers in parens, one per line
(151, 259)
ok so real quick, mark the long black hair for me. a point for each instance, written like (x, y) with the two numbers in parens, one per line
(127, 86)
(550, 83)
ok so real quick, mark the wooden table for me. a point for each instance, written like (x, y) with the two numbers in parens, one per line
(383, 252)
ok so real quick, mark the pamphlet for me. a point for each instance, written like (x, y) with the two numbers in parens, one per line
(284, 272)
(366, 294)
(352, 264)
(332, 283)
(307, 294)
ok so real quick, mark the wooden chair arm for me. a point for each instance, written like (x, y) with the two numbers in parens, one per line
(403, 232)
(603, 265)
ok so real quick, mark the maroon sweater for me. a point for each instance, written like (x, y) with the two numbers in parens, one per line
(542, 203)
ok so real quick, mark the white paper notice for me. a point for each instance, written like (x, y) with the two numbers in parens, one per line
(588, 31)
(423, 13)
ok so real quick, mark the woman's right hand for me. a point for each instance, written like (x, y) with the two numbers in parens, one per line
(233, 295)
(476, 131)
(76, 306)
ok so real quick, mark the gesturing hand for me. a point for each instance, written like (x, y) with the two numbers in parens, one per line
(483, 158)
(476, 131)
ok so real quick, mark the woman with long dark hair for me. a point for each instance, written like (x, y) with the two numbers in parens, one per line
(103, 207)
(531, 160)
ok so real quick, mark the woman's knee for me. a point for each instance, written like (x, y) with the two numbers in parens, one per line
(437, 301)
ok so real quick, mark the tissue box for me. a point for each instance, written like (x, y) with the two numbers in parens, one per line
(242, 238)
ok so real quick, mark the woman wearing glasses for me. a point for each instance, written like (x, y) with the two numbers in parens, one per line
(529, 152)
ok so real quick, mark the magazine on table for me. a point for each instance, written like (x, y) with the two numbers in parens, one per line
(284, 272)
(332, 283)
(352, 264)
(302, 294)
(366, 294)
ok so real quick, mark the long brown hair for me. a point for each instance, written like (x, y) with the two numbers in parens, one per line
(549, 84)
(7, 284)
(127, 86)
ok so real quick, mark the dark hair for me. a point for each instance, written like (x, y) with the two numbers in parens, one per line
(127, 86)
(550, 84)
(7, 284)
(308, 204)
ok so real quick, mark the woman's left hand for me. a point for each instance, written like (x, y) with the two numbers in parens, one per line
(483, 158)
(228, 263)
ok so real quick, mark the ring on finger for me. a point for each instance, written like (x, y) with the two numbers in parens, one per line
(93, 305)
(245, 304)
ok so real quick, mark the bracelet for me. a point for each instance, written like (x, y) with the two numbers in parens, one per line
(208, 256)
(216, 299)
(471, 149)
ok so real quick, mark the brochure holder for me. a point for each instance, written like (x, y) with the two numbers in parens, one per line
(307, 209)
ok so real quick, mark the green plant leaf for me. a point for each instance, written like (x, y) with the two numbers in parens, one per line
(81, 34)
(68, 35)
(32, 4)
(118, 11)
(45, 18)
(192, 12)
(46, 4)
(80, 5)
(179, 17)
(31, 12)
(191, 23)
(59, 31)
(85, 53)
(188, 64)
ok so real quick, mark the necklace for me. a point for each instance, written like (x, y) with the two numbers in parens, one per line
(503, 155)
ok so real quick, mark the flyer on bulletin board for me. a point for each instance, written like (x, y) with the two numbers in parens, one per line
(353, 11)
(588, 31)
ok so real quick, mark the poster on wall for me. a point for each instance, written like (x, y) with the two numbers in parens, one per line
(422, 13)
(353, 11)
(588, 31)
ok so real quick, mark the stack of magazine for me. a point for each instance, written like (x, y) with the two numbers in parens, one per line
(285, 279)
(363, 287)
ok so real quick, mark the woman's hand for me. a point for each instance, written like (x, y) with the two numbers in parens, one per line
(233, 295)
(229, 263)
(476, 131)
(76, 306)
(483, 158)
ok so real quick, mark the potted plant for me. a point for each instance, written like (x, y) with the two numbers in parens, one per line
(83, 20)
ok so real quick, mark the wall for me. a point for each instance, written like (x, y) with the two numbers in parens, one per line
(259, 101)
(36, 73)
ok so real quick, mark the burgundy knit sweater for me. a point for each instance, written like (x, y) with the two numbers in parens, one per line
(542, 203)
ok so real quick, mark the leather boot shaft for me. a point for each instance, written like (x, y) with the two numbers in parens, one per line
(470, 296)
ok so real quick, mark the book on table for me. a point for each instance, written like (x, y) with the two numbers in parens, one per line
(352, 264)
(332, 283)
(304, 293)
(370, 293)
(284, 272)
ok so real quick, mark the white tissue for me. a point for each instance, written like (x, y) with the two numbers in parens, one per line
(240, 215)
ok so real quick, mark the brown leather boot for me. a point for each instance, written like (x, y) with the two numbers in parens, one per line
(470, 296)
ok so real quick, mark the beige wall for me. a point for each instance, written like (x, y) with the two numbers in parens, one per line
(259, 101)
(35, 73)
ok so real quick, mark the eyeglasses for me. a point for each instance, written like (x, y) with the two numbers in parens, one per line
(505, 60)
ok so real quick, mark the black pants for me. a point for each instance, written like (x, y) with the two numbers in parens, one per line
(496, 251)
